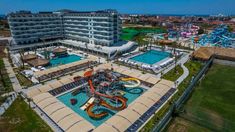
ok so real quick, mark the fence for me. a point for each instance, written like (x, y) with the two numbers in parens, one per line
(177, 104)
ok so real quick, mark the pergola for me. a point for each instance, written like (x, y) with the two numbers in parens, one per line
(38, 62)
(29, 57)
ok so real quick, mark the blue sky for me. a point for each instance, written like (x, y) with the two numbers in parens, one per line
(124, 6)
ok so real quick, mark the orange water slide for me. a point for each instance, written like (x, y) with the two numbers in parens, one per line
(92, 114)
(121, 99)
(102, 102)
(105, 104)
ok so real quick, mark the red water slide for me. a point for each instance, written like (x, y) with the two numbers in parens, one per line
(102, 102)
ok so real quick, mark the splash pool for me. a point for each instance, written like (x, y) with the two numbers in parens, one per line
(130, 94)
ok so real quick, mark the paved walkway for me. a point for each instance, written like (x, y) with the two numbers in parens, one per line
(185, 74)
(15, 83)
(181, 62)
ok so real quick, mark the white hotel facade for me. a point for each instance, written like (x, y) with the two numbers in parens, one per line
(102, 28)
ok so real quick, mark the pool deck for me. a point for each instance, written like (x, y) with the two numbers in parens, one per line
(155, 64)
(68, 120)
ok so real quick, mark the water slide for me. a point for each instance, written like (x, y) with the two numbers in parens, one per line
(102, 102)
(131, 85)
(121, 99)
(92, 114)
(89, 102)
(105, 104)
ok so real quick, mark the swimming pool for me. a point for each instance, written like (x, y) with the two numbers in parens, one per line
(64, 60)
(130, 94)
(151, 57)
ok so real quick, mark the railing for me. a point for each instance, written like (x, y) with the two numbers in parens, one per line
(177, 104)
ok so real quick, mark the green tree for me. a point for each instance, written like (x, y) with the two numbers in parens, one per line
(230, 29)
(200, 31)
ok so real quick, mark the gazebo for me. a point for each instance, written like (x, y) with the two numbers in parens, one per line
(38, 62)
(29, 57)
(60, 51)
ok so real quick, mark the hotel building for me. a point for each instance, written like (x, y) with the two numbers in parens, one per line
(96, 32)
(98, 27)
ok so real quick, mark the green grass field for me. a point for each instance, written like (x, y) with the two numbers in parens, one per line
(212, 104)
(131, 32)
(20, 118)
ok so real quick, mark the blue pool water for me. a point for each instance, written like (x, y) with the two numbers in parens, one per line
(130, 94)
(64, 60)
(151, 57)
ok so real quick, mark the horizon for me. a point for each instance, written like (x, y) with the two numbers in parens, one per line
(177, 7)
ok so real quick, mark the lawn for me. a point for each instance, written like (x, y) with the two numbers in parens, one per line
(211, 106)
(20, 118)
(194, 67)
(23, 80)
(128, 33)
(173, 74)
(131, 32)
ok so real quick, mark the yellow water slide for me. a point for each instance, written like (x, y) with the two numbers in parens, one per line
(131, 85)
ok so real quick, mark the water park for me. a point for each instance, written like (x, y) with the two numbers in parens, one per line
(97, 97)
(105, 94)
(219, 37)
(185, 31)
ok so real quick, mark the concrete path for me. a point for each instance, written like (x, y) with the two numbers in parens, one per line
(15, 83)
(185, 75)
(181, 62)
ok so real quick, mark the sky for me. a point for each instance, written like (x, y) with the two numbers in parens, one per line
(193, 7)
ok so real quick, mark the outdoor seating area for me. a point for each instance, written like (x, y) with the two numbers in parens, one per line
(63, 70)
(152, 60)
(66, 87)
(148, 78)
(66, 119)
(38, 62)
(139, 111)
(150, 112)
(146, 66)
(48, 87)
(29, 57)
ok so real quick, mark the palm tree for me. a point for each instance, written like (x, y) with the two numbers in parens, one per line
(176, 57)
(21, 57)
(86, 45)
(29, 100)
